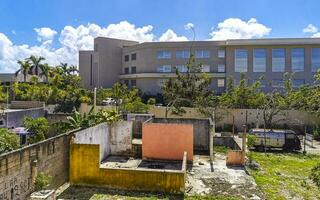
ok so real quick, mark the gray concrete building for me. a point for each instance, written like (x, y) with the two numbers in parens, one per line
(148, 65)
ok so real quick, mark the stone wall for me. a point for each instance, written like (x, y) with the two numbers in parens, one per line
(26, 104)
(18, 168)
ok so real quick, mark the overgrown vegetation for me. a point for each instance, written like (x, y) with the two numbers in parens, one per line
(315, 175)
(286, 176)
(42, 181)
(8, 141)
(38, 128)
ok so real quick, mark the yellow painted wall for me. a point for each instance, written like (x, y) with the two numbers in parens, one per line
(85, 170)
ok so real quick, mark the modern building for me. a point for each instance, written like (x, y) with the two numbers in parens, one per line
(148, 65)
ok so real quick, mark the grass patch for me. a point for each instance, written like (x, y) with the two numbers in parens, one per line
(285, 175)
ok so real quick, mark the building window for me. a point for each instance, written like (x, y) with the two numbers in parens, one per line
(182, 68)
(277, 83)
(221, 53)
(164, 54)
(221, 82)
(133, 83)
(164, 68)
(183, 54)
(263, 83)
(221, 68)
(126, 70)
(205, 68)
(126, 58)
(241, 60)
(297, 59)
(202, 54)
(278, 60)
(126, 82)
(297, 82)
(134, 56)
(259, 60)
(315, 59)
(133, 70)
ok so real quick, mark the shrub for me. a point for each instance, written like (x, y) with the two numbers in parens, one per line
(316, 133)
(42, 181)
(38, 127)
(8, 141)
(315, 175)
(151, 101)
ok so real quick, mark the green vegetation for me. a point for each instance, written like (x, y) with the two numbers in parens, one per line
(42, 181)
(8, 141)
(286, 176)
(38, 127)
(315, 175)
(221, 149)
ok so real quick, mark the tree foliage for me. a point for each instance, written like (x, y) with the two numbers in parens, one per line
(38, 128)
(8, 141)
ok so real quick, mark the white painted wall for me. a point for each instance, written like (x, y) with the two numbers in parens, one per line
(113, 139)
(95, 135)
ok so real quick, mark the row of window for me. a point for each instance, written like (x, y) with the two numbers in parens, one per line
(184, 68)
(221, 82)
(183, 54)
(278, 60)
(130, 83)
(278, 83)
(132, 71)
(133, 57)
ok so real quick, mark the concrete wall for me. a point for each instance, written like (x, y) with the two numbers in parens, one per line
(85, 170)
(16, 172)
(26, 104)
(200, 131)
(15, 117)
(167, 141)
(227, 142)
(113, 139)
(95, 135)
(120, 138)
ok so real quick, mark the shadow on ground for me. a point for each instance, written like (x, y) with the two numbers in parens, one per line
(89, 193)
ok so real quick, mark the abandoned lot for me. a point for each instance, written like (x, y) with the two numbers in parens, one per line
(282, 176)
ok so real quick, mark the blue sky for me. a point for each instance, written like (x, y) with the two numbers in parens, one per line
(19, 18)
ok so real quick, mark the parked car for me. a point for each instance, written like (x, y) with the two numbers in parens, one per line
(108, 102)
(285, 139)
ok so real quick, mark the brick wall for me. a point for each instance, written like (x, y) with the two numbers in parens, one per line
(18, 168)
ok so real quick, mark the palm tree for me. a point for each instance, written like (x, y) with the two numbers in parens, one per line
(36, 63)
(73, 69)
(45, 71)
(25, 67)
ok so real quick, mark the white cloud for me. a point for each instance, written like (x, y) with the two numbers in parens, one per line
(45, 34)
(310, 29)
(316, 35)
(235, 28)
(71, 40)
(170, 35)
(189, 26)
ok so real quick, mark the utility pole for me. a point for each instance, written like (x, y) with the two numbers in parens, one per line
(95, 101)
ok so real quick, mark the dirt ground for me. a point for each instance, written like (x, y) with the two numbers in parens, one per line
(218, 179)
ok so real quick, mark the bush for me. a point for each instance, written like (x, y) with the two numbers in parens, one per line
(316, 133)
(39, 128)
(8, 141)
(42, 181)
(151, 101)
(315, 175)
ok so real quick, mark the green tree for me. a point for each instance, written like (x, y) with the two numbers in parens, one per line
(36, 63)
(25, 67)
(242, 96)
(8, 141)
(187, 88)
(38, 127)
